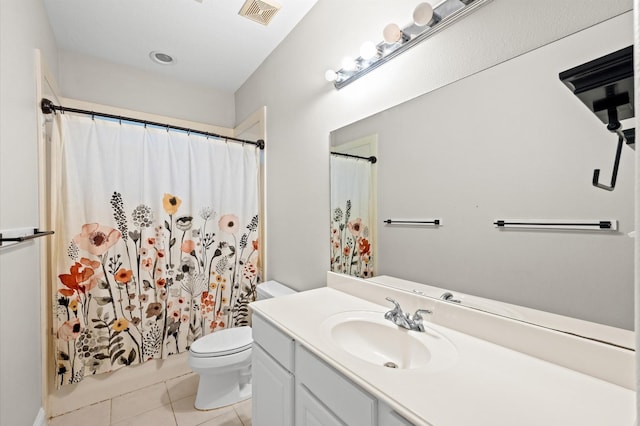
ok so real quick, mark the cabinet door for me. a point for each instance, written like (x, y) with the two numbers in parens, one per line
(272, 389)
(311, 412)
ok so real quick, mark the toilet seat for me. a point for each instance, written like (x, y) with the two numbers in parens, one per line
(224, 342)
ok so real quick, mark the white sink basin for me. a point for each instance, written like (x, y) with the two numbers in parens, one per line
(368, 336)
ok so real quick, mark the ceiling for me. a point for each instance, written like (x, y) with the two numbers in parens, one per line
(212, 44)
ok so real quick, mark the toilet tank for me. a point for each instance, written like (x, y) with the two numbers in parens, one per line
(269, 289)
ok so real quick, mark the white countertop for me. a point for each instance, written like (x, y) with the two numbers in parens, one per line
(488, 384)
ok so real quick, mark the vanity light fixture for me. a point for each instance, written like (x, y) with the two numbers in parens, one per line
(427, 20)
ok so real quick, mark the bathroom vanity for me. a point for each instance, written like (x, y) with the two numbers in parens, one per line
(300, 388)
(328, 357)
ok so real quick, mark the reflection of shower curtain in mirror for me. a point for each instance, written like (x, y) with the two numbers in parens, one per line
(351, 227)
(156, 241)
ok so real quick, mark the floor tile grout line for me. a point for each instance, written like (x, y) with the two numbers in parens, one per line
(137, 414)
(173, 410)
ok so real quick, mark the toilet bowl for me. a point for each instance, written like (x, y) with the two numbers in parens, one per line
(223, 359)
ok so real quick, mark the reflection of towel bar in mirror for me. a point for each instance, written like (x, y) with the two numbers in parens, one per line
(22, 238)
(434, 222)
(594, 225)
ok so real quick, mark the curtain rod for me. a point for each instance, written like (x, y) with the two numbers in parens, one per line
(373, 158)
(48, 107)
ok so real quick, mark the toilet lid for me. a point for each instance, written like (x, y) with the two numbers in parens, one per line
(224, 342)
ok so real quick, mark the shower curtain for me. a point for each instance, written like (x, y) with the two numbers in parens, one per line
(351, 215)
(156, 241)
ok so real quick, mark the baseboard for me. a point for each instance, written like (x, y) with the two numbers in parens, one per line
(41, 419)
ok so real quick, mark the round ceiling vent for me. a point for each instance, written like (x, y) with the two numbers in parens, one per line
(161, 58)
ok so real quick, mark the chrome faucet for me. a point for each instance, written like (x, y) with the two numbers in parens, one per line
(397, 315)
(405, 320)
(449, 297)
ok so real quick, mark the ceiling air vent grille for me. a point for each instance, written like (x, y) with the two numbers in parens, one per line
(260, 11)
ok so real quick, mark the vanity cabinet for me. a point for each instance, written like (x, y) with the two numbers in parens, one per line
(272, 380)
(293, 386)
(350, 404)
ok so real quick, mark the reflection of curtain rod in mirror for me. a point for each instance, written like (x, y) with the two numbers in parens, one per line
(373, 159)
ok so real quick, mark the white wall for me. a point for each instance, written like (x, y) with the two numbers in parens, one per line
(95, 80)
(303, 108)
(23, 27)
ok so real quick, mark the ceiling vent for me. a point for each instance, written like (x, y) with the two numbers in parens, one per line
(259, 10)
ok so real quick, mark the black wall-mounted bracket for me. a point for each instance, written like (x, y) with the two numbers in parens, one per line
(616, 163)
(605, 86)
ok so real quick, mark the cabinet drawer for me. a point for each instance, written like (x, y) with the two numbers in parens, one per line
(274, 341)
(347, 401)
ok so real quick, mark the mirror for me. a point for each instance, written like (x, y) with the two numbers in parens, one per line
(510, 142)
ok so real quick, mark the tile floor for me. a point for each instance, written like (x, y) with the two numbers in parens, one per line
(168, 403)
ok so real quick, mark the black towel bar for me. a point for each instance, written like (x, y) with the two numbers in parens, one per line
(36, 234)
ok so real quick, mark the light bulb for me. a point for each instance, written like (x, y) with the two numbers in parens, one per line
(392, 33)
(330, 75)
(349, 64)
(422, 14)
(368, 50)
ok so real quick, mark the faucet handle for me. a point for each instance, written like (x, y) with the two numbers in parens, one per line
(418, 317)
(395, 302)
(397, 310)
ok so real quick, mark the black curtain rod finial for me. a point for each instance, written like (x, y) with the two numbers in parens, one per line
(46, 106)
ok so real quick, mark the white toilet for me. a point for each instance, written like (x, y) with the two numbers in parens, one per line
(223, 359)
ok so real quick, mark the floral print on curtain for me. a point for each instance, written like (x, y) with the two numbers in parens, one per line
(149, 287)
(139, 283)
(350, 244)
